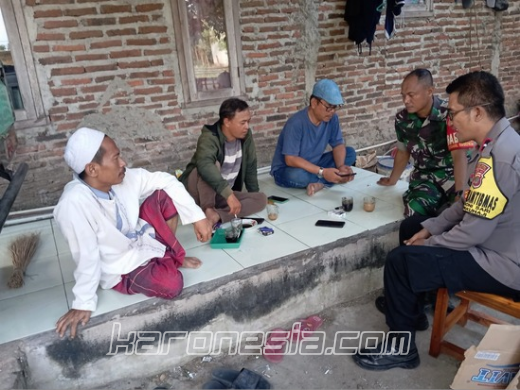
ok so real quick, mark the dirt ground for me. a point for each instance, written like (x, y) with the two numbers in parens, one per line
(323, 371)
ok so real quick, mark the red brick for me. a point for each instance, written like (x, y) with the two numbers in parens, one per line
(135, 64)
(44, 2)
(135, 83)
(100, 68)
(88, 106)
(105, 44)
(75, 116)
(152, 29)
(51, 24)
(63, 91)
(41, 48)
(115, 9)
(119, 32)
(133, 19)
(161, 98)
(148, 7)
(50, 37)
(51, 13)
(125, 53)
(81, 11)
(99, 22)
(163, 81)
(85, 34)
(141, 42)
(81, 81)
(147, 91)
(68, 48)
(55, 60)
(67, 71)
(66, 126)
(144, 75)
(90, 57)
(158, 52)
(102, 79)
(158, 62)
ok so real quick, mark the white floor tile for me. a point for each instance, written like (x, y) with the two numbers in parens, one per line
(108, 300)
(215, 264)
(292, 210)
(46, 246)
(257, 248)
(67, 266)
(305, 231)
(61, 243)
(41, 273)
(186, 236)
(32, 313)
(383, 214)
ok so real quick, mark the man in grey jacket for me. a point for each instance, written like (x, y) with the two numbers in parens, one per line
(474, 244)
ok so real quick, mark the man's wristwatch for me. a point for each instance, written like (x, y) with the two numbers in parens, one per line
(320, 173)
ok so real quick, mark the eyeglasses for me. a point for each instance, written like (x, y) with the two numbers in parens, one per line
(328, 108)
(452, 114)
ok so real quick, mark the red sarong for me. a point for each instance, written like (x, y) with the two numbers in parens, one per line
(159, 277)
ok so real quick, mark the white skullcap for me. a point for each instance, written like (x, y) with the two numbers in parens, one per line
(81, 148)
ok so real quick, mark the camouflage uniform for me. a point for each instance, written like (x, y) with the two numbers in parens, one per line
(431, 181)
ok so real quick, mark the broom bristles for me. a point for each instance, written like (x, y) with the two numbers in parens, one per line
(22, 251)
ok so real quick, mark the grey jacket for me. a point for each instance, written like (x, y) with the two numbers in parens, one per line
(486, 221)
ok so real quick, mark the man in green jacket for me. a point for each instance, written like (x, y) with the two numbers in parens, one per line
(225, 161)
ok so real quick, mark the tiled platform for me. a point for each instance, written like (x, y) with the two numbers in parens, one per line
(47, 293)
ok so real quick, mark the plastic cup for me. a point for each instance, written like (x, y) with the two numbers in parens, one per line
(272, 211)
(236, 225)
(369, 203)
(347, 202)
(231, 235)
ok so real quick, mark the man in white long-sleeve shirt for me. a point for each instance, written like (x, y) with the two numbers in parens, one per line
(115, 242)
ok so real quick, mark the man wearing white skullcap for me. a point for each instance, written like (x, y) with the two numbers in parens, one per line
(116, 243)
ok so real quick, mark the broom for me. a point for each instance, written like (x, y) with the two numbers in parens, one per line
(22, 251)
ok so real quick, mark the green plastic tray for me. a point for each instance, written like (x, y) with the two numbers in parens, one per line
(218, 241)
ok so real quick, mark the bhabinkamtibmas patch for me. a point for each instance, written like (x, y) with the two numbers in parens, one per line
(484, 198)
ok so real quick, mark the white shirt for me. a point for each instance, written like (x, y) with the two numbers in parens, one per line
(106, 237)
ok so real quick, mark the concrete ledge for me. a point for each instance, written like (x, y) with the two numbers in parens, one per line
(13, 368)
(256, 299)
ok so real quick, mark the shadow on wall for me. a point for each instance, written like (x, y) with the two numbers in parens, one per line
(141, 137)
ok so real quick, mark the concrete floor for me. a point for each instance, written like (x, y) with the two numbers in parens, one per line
(327, 372)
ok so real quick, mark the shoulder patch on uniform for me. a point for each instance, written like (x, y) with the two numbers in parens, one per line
(484, 198)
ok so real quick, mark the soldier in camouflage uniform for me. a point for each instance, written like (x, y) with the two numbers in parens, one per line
(439, 161)
(438, 173)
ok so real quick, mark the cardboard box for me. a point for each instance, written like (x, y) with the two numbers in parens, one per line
(494, 363)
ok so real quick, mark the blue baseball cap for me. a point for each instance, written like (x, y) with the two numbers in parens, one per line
(329, 91)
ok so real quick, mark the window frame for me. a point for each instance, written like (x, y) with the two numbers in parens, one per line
(20, 47)
(192, 97)
(418, 11)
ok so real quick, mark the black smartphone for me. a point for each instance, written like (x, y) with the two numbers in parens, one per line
(346, 174)
(336, 224)
(277, 199)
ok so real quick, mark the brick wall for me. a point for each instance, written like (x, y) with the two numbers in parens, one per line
(113, 64)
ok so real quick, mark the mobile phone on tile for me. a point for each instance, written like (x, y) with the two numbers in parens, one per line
(325, 223)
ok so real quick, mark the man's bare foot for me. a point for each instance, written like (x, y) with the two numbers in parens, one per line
(312, 188)
(191, 262)
(212, 216)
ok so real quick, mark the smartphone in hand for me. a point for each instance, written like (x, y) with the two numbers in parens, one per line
(346, 174)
